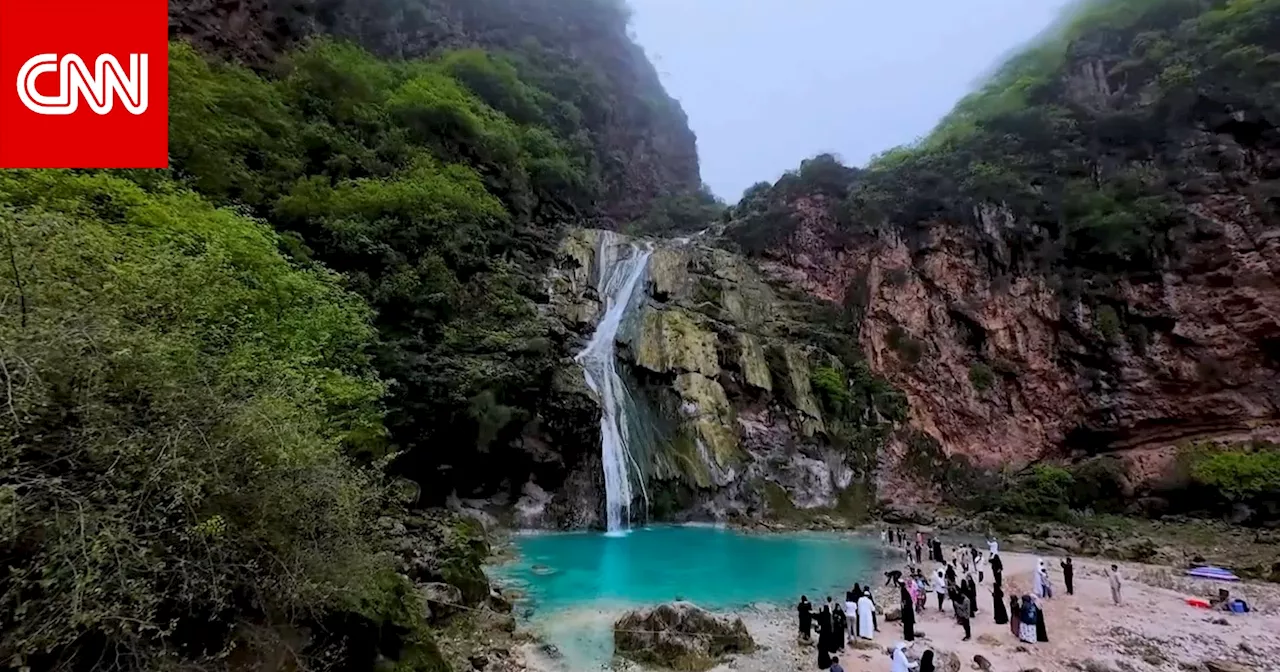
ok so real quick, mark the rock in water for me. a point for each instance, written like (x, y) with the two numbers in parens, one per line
(679, 636)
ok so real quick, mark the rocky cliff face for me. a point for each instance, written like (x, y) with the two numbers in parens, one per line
(730, 423)
(1093, 272)
(1000, 369)
(645, 147)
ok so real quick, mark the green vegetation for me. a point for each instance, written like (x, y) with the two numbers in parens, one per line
(981, 376)
(210, 369)
(1247, 474)
(180, 440)
(909, 347)
(435, 186)
(1077, 138)
(1107, 322)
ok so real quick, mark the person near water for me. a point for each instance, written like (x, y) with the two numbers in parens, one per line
(805, 610)
(839, 625)
(866, 617)
(1115, 584)
(960, 601)
(894, 577)
(884, 536)
(1027, 620)
(823, 620)
(940, 588)
(851, 611)
(926, 661)
(1037, 579)
(997, 568)
(908, 615)
(1068, 573)
(1015, 615)
(997, 605)
(900, 662)
(992, 546)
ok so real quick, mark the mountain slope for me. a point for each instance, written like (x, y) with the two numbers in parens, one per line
(1081, 259)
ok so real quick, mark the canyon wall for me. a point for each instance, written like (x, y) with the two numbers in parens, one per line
(1081, 260)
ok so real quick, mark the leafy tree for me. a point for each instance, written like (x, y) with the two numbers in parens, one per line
(179, 442)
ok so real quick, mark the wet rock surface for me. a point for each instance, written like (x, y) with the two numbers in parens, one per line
(679, 636)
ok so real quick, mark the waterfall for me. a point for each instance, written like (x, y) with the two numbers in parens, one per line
(619, 284)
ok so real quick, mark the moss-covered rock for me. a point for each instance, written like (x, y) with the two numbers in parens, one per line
(679, 636)
(789, 364)
(671, 340)
(752, 362)
(668, 273)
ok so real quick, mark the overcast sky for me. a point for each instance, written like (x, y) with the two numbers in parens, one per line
(767, 83)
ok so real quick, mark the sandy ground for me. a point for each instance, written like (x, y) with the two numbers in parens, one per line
(1154, 630)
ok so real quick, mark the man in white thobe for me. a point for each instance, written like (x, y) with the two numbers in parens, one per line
(866, 626)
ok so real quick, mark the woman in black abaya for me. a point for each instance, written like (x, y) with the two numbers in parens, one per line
(1042, 635)
(997, 597)
(823, 620)
(908, 616)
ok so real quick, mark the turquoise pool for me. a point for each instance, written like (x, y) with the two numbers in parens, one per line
(574, 583)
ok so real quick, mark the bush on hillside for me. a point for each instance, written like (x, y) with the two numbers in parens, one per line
(182, 441)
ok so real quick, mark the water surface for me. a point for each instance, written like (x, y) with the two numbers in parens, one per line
(574, 583)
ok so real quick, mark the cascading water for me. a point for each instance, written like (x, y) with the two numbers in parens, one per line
(619, 283)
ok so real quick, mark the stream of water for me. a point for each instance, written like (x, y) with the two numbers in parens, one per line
(621, 270)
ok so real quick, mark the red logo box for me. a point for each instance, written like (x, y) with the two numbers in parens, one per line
(84, 83)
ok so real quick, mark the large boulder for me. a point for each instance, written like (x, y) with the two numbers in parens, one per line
(679, 636)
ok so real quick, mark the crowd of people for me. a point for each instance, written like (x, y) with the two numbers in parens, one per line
(955, 578)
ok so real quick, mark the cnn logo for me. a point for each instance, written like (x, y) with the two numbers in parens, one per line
(99, 87)
(84, 84)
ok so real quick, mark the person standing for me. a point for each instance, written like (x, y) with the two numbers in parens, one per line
(866, 617)
(823, 620)
(972, 591)
(1015, 615)
(851, 611)
(951, 574)
(992, 546)
(805, 610)
(940, 588)
(960, 601)
(908, 615)
(997, 604)
(1027, 621)
(1068, 573)
(997, 568)
(1115, 584)
(926, 661)
(839, 625)
(1037, 578)
(918, 550)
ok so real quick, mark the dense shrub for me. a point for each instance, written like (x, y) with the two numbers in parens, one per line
(1042, 491)
(981, 376)
(177, 445)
